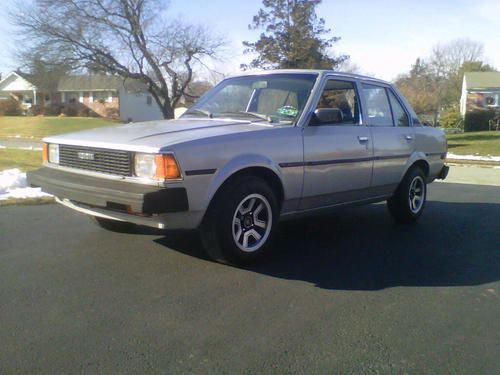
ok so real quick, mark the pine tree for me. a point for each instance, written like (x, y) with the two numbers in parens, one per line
(294, 37)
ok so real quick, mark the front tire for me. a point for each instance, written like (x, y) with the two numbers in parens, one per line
(241, 221)
(408, 202)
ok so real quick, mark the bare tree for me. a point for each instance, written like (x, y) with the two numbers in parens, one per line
(129, 38)
(447, 59)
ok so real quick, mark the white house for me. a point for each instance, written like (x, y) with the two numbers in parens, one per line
(480, 92)
(17, 87)
(95, 95)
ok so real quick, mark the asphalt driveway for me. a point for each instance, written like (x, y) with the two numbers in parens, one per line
(348, 293)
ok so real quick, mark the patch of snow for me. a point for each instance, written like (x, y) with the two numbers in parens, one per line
(2, 146)
(472, 157)
(13, 184)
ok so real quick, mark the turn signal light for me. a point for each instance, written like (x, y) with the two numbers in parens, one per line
(45, 152)
(166, 167)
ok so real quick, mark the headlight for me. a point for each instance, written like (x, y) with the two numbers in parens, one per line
(53, 153)
(145, 165)
(157, 166)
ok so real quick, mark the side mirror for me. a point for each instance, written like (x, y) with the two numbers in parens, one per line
(327, 116)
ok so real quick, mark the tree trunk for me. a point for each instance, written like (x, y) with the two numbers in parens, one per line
(167, 110)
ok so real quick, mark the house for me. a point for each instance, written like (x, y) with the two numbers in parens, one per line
(88, 95)
(16, 86)
(480, 100)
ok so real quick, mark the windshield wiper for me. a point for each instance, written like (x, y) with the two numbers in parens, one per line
(202, 111)
(252, 114)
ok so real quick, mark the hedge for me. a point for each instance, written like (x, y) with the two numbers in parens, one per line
(477, 121)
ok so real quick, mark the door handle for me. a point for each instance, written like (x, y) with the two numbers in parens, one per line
(363, 139)
(408, 137)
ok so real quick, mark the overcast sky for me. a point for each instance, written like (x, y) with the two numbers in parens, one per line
(382, 37)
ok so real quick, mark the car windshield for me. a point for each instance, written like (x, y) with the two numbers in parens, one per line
(275, 98)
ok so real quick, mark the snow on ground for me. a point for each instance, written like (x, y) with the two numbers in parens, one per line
(13, 184)
(451, 156)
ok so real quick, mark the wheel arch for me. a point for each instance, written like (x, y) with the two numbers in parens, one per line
(265, 173)
(422, 164)
(417, 159)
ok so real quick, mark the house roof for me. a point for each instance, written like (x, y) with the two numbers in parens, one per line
(482, 80)
(16, 75)
(93, 82)
(26, 76)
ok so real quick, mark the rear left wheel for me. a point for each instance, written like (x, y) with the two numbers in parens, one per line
(408, 201)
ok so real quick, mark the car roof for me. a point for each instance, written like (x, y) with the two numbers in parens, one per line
(313, 71)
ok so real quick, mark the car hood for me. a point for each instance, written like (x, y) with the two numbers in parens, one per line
(153, 136)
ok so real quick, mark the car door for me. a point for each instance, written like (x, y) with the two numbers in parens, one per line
(337, 148)
(393, 137)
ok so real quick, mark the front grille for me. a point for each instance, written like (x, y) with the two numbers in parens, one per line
(102, 160)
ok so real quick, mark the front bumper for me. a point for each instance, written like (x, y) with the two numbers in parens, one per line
(112, 195)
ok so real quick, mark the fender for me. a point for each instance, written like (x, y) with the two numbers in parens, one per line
(237, 164)
(414, 157)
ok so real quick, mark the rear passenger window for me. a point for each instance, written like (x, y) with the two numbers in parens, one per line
(377, 105)
(400, 116)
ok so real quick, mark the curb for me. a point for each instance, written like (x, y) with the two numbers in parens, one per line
(473, 163)
(473, 174)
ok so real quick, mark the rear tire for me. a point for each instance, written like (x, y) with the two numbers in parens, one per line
(115, 225)
(408, 201)
(240, 223)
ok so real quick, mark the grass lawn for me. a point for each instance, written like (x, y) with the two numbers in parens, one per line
(37, 127)
(475, 143)
(25, 160)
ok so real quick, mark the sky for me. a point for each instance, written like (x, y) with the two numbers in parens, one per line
(382, 37)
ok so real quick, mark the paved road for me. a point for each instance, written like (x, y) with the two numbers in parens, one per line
(348, 293)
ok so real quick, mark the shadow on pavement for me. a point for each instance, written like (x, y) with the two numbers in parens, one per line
(454, 244)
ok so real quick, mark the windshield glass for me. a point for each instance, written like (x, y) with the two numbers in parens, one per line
(276, 98)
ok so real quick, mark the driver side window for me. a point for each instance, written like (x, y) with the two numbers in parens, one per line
(338, 104)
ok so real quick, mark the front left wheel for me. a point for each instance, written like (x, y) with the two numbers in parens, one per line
(240, 223)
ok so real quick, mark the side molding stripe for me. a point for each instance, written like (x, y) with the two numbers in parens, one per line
(199, 172)
(340, 161)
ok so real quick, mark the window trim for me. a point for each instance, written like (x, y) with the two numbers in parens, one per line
(405, 110)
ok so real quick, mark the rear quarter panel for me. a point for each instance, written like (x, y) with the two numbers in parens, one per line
(431, 142)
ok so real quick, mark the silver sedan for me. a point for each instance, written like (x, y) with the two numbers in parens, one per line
(256, 149)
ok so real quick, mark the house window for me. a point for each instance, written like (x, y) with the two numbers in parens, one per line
(491, 100)
(71, 97)
(149, 100)
(101, 96)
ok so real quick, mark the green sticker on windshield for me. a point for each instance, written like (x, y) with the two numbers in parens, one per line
(288, 110)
